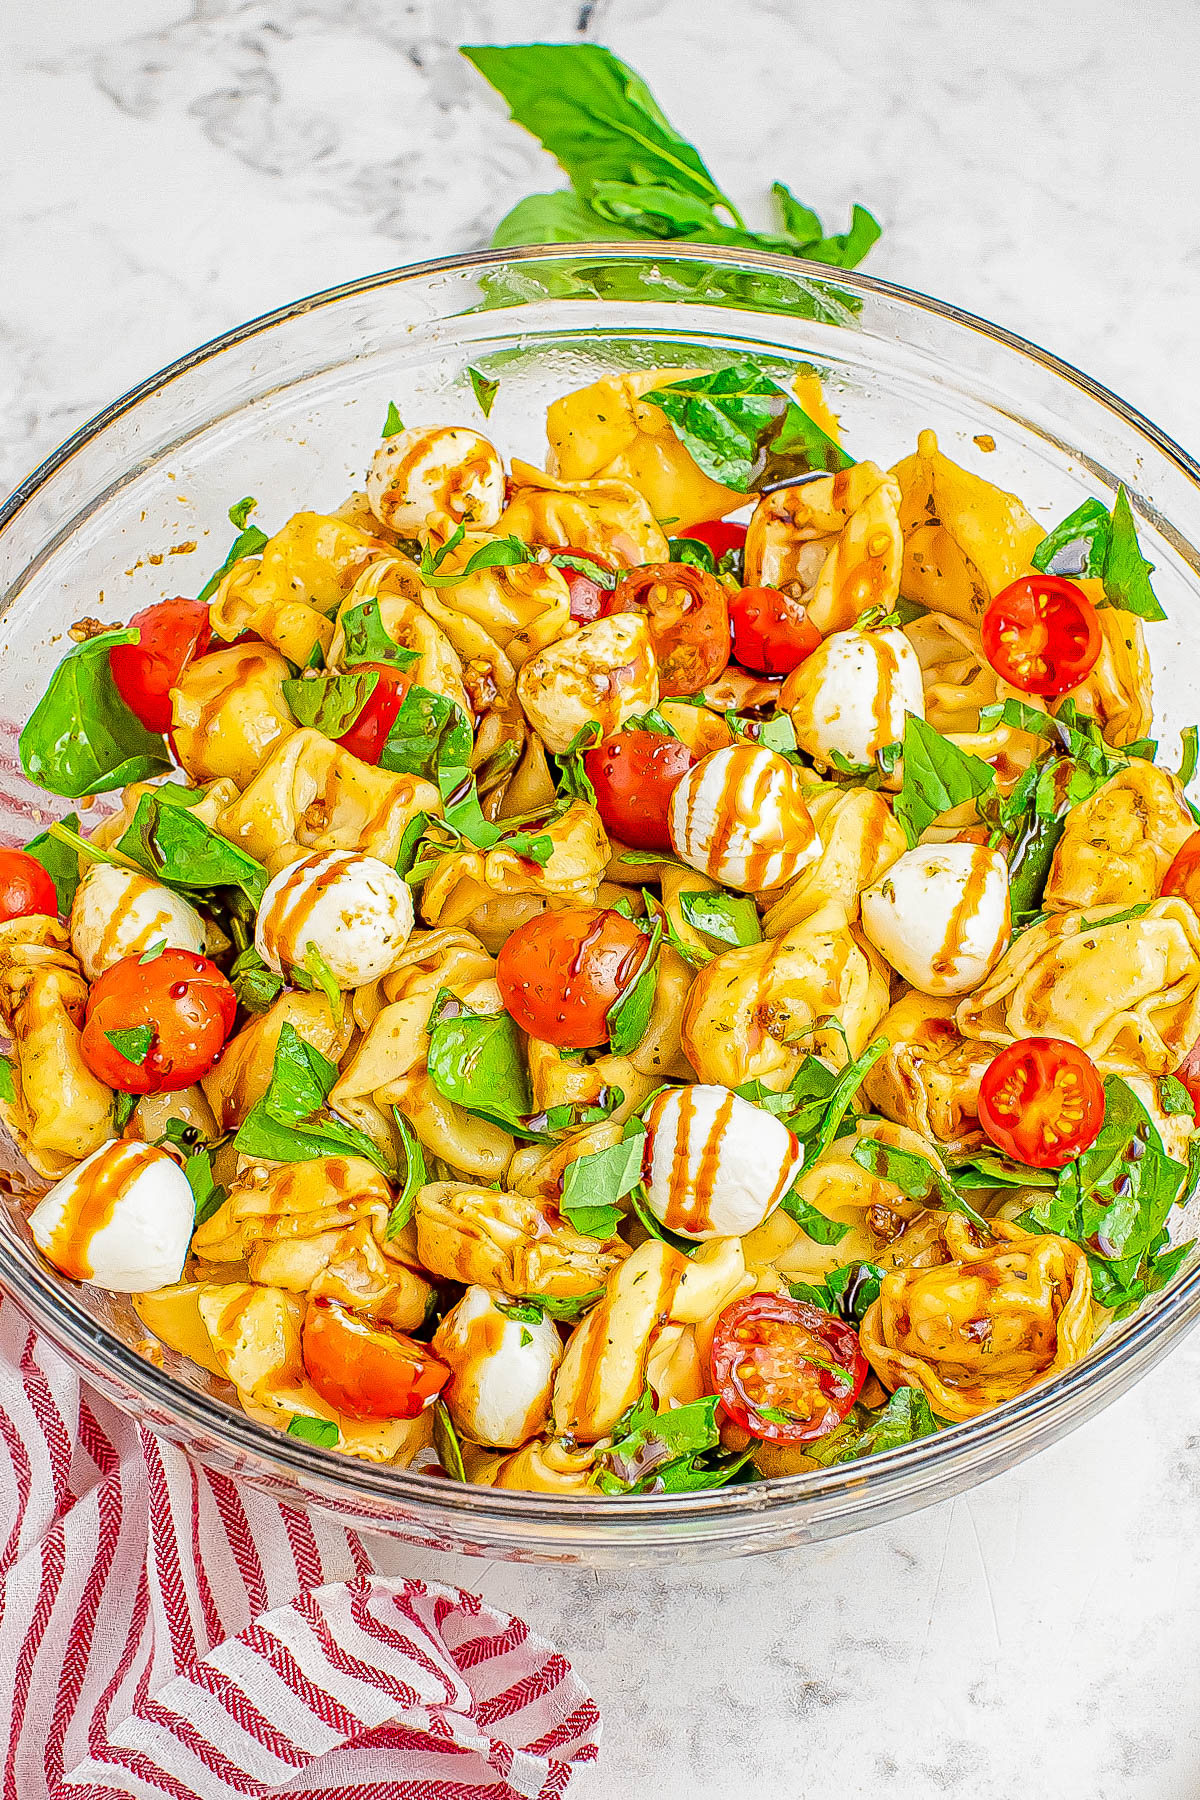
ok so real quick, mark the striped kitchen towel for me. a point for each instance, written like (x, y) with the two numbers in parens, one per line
(168, 1632)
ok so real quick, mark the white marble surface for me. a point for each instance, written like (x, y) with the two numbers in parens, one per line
(169, 169)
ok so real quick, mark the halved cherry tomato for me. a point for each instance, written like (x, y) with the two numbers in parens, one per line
(1041, 1101)
(587, 595)
(560, 973)
(369, 732)
(25, 886)
(688, 615)
(172, 633)
(1183, 876)
(719, 535)
(184, 1001)
(366, 1369)
(634, 775)
(771, 634)
(1041, 635)
(785, 1370)
(1189, 1073)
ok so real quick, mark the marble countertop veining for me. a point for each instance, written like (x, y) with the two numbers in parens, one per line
(170, 169)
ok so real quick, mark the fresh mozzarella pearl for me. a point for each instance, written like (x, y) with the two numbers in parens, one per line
(501, 1370)
(122, 1220)
(739, 816)
(354, 910)
(717, 1166)
(605, 672)
(117, 913)
(433, 478)
(852, 694)
(940, 915)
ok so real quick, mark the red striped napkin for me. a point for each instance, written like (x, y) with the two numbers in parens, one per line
(165, 1631)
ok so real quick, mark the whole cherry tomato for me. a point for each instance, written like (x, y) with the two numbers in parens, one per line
(178, 1009)
(366, 1369)
(560, 972)
(719, 535)
(369, 732)
(688, 615)
(1183, 876)
(587, 594)
(785, 1370)
(172, 633)
(1189, 1073)
(25, 886)
(634, 775)
(1041, 1101)
(1041, 635)
(771, 634)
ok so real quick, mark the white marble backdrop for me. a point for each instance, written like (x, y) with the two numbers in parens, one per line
(167, 170)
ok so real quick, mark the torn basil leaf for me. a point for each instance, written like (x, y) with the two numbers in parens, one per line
(133, 1043)
(415, 1175)
(629, 1014)
(938, 776)
(446, 1441)
(330, 703)
(815, 1224)
(1094, 543)
(429, 736)
(593, 1184)
(675, 1451)
(846, 1292)
(60, 861)
(906, 1417)
(249, 541)
(567, 1308)
(917, 1177)
(485, 388)
(81, 737)
(744, 430)
(365, 639)
(729, 918)
(393, 424)
(8, 1082)
(292, 1123)
(314, 1431)
(476, 1061)
(256, 986)
(166, 838)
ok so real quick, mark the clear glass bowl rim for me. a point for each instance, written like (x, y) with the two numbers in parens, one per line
(875, 1487)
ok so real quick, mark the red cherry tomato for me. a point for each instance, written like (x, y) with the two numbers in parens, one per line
(634, 775)
(172, 633)
(366, 1369)
(182, 999)
(688, 615)
(719, 535)
(1189, 1073)
(1183, 876)
(25, 886)
(1041, 1101)
(1041, 635)
(369, 732)
(785, 1370)
(771, 634)
(560, 973)
(587, 595)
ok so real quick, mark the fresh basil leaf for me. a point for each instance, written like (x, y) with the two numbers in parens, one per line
(314, 1431)
(1189, 756)
(249, 541)
(986, 1170)
(1126, 571)
(239, 512)
(393, 424)
(916, 1177)
(650, 721)
(1078, 547)
(166, 838)
(831, 1108)
(81, 737)
(559, 218)
(743, 429)
(291, 1122)
(691, 550)
(8, 1083)
(415, 1176)
(123, 1108)
(475, 1060)
(316, 976)
(574, 782)
(256, 986)
(906, 1417)
(446, 1442)
(655, 1227)
(60, 861)
(330, 703)
(629, 1014)
(938, 776)
(501, 553)
(208, 1194)
(564, 1307)
(133, 1043)
(430, 737)
(813, 1223)
(410, 840)
(729, 918)
(593, 1184)
(485, 388)
(673, 1451)
(365, 639)
(1173, 1097)
(154, 952)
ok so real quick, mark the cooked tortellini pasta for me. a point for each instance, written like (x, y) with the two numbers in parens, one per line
(480, 1054)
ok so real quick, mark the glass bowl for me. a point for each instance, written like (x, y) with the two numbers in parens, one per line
(289, 408)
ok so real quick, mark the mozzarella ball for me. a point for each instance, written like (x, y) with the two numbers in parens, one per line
(852, 694)
(355, 911)
(940, 915)
(605, 672)
(117, 913)
(433, 478)
(501, 1370)
(122, 1220)
(739, 816)
(718, 1166)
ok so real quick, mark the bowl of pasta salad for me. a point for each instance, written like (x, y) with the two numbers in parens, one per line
(599, 936)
